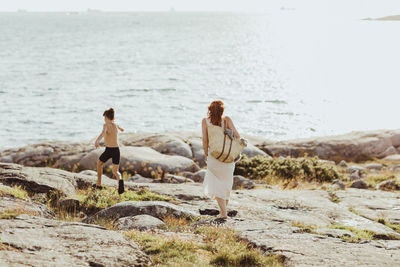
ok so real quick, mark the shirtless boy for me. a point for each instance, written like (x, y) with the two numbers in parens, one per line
(110, 134)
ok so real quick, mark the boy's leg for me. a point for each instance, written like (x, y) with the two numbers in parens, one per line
(118, 176)
(115, 171)
(99, 171)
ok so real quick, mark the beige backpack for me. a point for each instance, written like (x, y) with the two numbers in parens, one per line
(223, 145)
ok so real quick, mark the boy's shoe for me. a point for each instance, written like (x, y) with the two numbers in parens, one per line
(121, 186)
(95, 186)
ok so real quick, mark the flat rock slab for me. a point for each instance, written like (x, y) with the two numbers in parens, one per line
(158, 209)
(39, 242)
(302, 249)
(269, 219)
(373, 204)
(186, 192)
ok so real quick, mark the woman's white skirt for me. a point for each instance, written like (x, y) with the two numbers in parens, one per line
(219, 178)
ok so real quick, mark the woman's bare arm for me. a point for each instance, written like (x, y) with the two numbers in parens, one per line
(232, 127)
(205, 137)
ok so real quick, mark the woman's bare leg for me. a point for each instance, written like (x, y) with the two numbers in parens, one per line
(222, 207)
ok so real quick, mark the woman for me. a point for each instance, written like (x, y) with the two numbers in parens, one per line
(219, 176)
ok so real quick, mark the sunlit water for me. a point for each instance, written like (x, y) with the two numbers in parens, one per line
(281, 75)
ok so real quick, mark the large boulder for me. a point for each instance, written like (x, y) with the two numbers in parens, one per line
(166, 143)
(354, 146)
(38, 180)
(144, 161)
(37, 241)
(158, 209)
(140, 222)
(241, 182)
(359, 184)
(196, 145)
(65, 155)
(388, 185)
(252, 151)
(19, 206)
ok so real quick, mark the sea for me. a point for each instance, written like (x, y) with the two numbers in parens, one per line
(282, 75)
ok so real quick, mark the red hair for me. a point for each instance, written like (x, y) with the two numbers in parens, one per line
(215, 111)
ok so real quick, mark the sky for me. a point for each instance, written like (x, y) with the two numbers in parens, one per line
(365, 7)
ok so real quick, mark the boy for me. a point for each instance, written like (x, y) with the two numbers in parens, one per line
(110, 134)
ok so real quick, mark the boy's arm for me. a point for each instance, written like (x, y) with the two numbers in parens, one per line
(100, 137)
(120, 128)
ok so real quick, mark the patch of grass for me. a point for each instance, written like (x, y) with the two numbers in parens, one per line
(174, 224)
(373, 180)
(12, 213)
(169, 251)
(287, 169)
(107, 197)
(395, 227)
(220, 247)
(304, 227)
(333, 197)
(361, 234)
(228, 250)
(15, 191)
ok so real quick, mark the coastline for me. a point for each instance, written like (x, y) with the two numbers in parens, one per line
(356, 146)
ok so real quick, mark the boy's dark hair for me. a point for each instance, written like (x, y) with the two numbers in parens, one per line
(109, 113)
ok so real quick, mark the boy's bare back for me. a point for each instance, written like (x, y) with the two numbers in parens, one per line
(111, 134)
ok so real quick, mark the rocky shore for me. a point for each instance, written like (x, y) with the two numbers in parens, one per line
(49, 213)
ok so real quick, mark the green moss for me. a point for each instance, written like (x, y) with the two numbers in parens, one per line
(333, 197)
(351, 209)
(308, 169)
(395, 227)
(15, 191)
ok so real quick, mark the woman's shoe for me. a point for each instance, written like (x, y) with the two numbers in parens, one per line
(219, 220)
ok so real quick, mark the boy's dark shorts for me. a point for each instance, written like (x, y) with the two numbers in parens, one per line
(110, 153)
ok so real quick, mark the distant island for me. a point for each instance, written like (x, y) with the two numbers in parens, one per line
(395, 17)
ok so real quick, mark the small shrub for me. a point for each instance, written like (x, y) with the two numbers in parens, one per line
(308, 169)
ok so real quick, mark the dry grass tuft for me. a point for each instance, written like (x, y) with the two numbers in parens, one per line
(220, 247)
